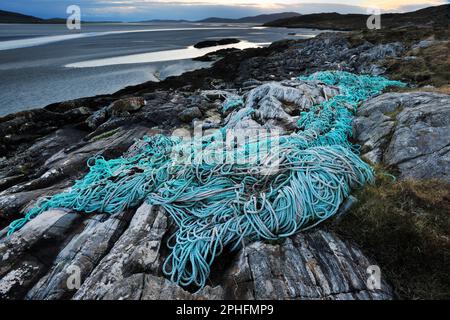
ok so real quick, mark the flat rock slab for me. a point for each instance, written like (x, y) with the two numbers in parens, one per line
(408, 131)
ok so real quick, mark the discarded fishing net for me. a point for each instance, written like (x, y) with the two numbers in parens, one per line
(299, 182)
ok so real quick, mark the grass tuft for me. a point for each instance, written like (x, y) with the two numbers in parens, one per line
(405, 227)
(428, 66)
(105, 135)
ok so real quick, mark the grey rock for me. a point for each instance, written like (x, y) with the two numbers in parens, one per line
(137, 250)
(276, 105)
(83, 252)
(369, 58)
(315, 265)
(142, 286)
(160, 288)
(12, 204)
(327, 51)
(114, 113)
(190, 114)
(24, 255)
(29, 162)
(58, 170)
(97, 118)
(251, 83)
(77, 113)
(423, 44)
(409, 131)
(125, 106)
(312, 265)
(216, 94)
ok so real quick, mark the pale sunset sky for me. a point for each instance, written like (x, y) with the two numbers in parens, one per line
(135, 10)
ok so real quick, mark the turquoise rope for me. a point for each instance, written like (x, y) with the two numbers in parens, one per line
(232, 103)
(217, 205)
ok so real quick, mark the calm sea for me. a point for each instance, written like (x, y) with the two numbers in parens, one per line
(43, 64)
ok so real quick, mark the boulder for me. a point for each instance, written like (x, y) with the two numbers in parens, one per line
(311, 265)
(125, 106)
(190, 114)
(214, 43)
(24, 256)
(369, 59)
(97, 118)
(408, 131)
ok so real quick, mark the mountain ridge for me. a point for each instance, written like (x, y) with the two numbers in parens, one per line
(14, 17)
(262, 18)
(438, 15)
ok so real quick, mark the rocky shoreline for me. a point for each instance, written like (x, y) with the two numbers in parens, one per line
(44, 150)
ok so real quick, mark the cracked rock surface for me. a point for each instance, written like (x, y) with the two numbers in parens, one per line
(408, 131)
(120, 257)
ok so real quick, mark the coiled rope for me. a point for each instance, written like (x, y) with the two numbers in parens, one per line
(218, 205)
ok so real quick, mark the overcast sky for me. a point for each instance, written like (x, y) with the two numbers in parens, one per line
(136, 10)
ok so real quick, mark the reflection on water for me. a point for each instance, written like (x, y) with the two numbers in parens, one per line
(32, 42)
(304, 36)
(159, 56)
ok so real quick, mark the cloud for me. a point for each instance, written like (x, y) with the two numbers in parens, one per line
(134, 10)
(390, 5)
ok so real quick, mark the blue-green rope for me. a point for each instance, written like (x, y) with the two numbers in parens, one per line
(232, 103)
(217, 205)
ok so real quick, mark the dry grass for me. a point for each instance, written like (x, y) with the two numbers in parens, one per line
(407, 36)
(443, 89)
(428, 66)
(405, 226)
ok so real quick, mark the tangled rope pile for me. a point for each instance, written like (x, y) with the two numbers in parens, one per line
(218, 205)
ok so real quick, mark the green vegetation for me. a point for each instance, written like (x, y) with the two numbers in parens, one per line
(105, 135)
(427, 66)
(405, 227)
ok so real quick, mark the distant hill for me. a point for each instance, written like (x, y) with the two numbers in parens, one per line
(263, 18)
(12, 17)
(260, 19)
(163, 21)
(437, 15)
